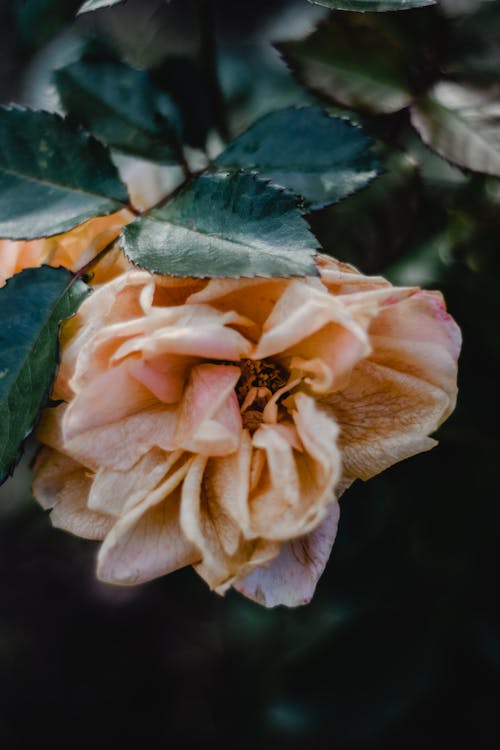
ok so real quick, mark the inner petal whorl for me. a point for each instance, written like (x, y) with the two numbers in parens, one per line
(259, 380)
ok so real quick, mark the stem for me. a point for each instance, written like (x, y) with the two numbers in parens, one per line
(208, 60)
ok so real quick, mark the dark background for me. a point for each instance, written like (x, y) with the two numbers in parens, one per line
(400, 647)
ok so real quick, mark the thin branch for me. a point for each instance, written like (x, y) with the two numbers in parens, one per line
(87, 268)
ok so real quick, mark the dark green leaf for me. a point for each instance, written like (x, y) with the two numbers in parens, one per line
(122, 107)
(226, 225)
(96, 4)
(372, 5)
(32, 305)
(461, 124)
(319, 157)
(53, 176)
(352, 64)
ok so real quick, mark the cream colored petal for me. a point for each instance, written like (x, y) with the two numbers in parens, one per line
(418, 336)
(226, 485)
(404, 390)
(154, 547)
(73, 516)
(342, 278)
(252, 298)
(64, 485)
(209, 415)
(316, 335)
(51, 471)
(277, 499)
(189, 330)
(207, 522)
(295, 487)
(326, 358)
(118, 445)
(301, 311)
(384, 417)
(148, 541)
(164, 376)
(291, 578)
(198, 526)
(374, 299)
(116, 300)
(115, 492)
(195, 330)
(109, 397)
(97, 352)
(113, 302)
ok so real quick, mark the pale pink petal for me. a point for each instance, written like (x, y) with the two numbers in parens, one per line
(290, 579)
(194, 330)
(404, 390)
(209, 416)
(419, 336)
(109, 397)
(115, 492)
(165, 376)
(374, 299)
(118, 445)
(198, 526)
(302, 310)
(188, 330)
(384, 417)
(316, 335)
(63, 485)
(252, 298)
(342, 278)
(278, 494)
(224, 554)
(148, 542)
(339, 349)
(228, 481)
(113, 302)
(294, 487)
(72, 515)
(98, 352)
(116, 300)
(326, 358)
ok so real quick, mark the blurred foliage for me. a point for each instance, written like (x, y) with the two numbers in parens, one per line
(401, 645)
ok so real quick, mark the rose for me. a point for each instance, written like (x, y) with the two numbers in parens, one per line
(216, 422)
(72, 249)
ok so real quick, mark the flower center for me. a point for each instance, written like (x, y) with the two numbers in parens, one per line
(259, 380)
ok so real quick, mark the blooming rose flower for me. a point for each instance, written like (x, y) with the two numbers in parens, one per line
(215, 423)
(72, 249)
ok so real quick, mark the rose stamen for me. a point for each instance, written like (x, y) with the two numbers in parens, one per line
(259, 381)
